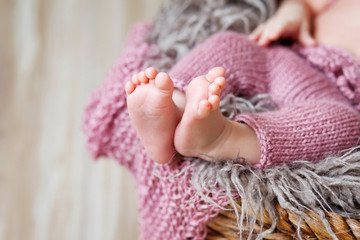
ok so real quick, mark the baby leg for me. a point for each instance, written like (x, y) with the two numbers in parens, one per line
(245, 63)
(200, 130)
(204, 132)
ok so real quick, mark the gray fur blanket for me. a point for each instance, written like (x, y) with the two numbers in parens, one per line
(329, 185)
(182, 24)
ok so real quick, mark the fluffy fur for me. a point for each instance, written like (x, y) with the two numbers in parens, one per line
(329, 185)
(332, 184)
(182, 24)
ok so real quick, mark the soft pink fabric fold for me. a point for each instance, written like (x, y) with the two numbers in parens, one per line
(315, 95)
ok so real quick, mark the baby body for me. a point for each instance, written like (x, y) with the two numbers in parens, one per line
(332, 22)
(169, 121)
(338, 25)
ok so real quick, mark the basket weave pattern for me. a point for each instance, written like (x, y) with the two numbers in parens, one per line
(224, 225)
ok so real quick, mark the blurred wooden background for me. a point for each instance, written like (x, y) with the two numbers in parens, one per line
(52, 55)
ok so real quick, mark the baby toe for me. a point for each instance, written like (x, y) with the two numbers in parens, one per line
(143, 78)
(135, 79)
(204, 109)
(221, 82)
(214, 88)
(214, 100)
(214, 73)
(129, 87)
(164, 82)
(151, 72)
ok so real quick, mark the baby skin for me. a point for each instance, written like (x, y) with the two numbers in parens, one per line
(169, 121)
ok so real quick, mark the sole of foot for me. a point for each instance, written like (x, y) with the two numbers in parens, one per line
(153, 112)
(202, 127)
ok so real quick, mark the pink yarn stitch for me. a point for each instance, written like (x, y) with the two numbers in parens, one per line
(169, 207)
(314, 118)
(341, 67)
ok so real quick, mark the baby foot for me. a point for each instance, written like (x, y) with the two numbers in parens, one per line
(153, 112)
(203, 128)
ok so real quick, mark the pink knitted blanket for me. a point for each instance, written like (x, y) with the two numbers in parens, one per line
(168, 205)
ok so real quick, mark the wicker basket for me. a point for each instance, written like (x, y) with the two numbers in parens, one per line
(224, 226)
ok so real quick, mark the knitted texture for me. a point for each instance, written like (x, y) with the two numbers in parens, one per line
(181, 25)
(342, 68)
(168, 207)
(313, 118)
(302, 189)
(106, 121)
